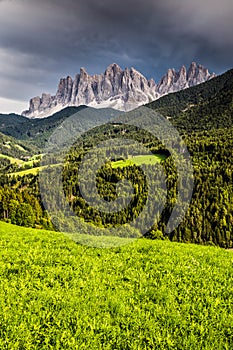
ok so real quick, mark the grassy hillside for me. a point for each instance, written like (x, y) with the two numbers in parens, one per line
(56, 294)
(11, 147)
(11, 159)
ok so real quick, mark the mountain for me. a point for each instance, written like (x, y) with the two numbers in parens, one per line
(116, 88)
(23, 128)
(37, 131)
(205, 106)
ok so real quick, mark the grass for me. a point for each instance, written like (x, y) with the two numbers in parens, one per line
(20, 148)
(12, 160)
(139, 160)
(56, 294)
(23, 163)
(33, 171)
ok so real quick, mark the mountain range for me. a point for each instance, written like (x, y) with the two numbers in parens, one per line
(116, 88)
(202, 107)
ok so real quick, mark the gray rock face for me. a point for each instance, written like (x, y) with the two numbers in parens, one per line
(116, 88)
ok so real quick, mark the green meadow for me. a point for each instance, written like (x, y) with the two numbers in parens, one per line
(11, 159)
(57, 294)
(139, 160)
(24, 163)
(33, 171)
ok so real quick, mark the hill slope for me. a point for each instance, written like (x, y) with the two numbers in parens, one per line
(37, 131)
(23, 128)
(205, 106)
(12, 147)
(147, 295)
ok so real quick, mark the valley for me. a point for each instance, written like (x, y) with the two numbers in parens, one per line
(203, 116)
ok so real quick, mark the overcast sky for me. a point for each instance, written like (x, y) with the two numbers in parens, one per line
(44, 40)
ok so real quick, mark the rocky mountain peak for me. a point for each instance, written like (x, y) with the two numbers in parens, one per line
(192, 70)
(83, 72)
(113, 68)
(120, 89)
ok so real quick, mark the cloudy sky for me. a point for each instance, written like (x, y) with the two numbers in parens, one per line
(44, 40)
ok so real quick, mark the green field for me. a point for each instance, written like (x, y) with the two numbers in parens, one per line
(11, 159)
(139, 160)
(33, 171)
(56, 294)
(23, 163)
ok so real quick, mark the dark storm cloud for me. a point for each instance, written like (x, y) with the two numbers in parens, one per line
(40, 41)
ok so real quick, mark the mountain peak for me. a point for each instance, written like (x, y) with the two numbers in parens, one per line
(83, 71)
(120, 89)
(113, 68)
